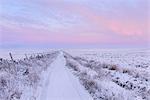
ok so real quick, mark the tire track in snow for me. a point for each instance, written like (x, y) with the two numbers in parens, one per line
(61, 84)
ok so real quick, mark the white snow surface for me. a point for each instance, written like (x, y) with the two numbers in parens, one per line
(61, 84)
(76, 75)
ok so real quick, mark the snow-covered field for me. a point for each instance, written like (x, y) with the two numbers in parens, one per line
(123, 58)
(76, 75)
(19, 79)
(113, 74)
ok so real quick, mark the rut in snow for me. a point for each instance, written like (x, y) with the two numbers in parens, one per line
(61, 84)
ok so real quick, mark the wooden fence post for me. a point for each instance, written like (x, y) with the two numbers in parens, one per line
(11, 56)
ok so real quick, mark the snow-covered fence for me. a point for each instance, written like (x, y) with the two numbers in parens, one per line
(15, 56)
(23, 75)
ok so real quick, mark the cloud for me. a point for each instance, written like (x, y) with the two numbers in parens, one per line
(75, 22)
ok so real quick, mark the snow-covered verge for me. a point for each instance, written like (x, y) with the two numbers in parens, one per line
(20, 79)
(107, 81)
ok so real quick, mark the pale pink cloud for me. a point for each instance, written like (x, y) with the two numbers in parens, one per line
(94, 27)
(123, 26)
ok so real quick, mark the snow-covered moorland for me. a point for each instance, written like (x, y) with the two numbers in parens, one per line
(112, 75)
(19, 79)
(77, 75)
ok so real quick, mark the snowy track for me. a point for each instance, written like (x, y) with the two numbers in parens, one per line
(60, 75)
(62, 85)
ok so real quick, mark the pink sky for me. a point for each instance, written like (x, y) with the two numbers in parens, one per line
(87, 23)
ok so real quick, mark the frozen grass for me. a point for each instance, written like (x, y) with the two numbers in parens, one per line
(16, 77)
(107, 81)
(106, 75)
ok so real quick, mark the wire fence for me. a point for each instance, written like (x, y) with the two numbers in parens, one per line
(16, 56)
